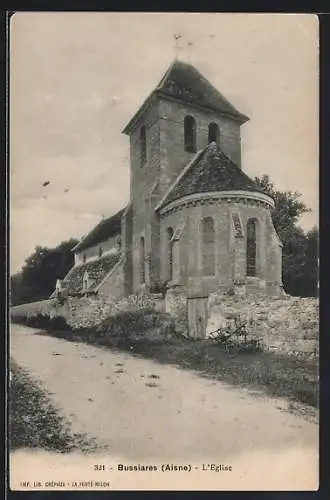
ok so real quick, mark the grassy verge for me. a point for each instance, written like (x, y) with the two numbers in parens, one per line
(34, 422)
(278, 375)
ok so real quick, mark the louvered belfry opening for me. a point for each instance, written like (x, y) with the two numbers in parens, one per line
(251, 247)
(214, 134)
(190, 134)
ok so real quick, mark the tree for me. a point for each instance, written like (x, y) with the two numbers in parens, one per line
(311, 267)
(37, 279)
(288, 206)
(300, 250)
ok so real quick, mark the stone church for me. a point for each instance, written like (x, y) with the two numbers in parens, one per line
(195, 221)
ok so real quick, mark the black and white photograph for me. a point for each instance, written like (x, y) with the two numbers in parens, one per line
(164, 242)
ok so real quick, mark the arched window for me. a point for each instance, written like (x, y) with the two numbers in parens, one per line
(189, 134)
(170, 252)
(214, 134)
(142, 262)
(143, 145)
(251, 247)
(100, 251)
(208, 250)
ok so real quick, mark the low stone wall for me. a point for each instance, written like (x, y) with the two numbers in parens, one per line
(286, 324)
(52, 307)
(88, 311)
(176, 306)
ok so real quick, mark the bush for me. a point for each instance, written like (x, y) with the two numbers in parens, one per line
(135, 323)
(42, 321)
(124, 324)
(19, 318)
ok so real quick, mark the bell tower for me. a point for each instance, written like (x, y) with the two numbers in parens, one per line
(179, 118)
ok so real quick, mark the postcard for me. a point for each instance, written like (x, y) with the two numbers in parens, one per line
(164, 292)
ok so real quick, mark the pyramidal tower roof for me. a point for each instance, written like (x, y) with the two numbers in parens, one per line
(184, 82)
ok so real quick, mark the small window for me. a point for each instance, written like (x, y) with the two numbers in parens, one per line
(214, 134)
(100, 251)
(190, 134)
(84, 258)
(170, 253)
(142, 262)
(208, 250)
(143, 145)
(251, 248)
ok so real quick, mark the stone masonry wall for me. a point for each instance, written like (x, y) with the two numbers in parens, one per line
(173, 156)
(88, 311)
(166, 157)
(127, 236)
(114, 284)
(189, 257)
(52, 307)
(144, 196)
(286, 325)
(93, 251)
(230, 253)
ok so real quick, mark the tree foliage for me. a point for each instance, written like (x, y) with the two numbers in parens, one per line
(300, 249)
(300, 253)
(38, 277)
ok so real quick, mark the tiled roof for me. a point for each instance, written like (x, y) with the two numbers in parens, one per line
(105, 229)
(211, 171)
(96, 269)
(184, 82)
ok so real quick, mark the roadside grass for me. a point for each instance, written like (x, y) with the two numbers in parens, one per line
(33, 420)
(275, 374)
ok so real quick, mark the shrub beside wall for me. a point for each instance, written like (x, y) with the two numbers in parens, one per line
(87, 311)
(128, 317)
(50, 307)
(43, 321)
(288, 325)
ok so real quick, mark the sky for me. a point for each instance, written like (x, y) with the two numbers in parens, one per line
(76, 79)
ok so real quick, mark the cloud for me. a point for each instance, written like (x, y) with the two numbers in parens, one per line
(77, 79)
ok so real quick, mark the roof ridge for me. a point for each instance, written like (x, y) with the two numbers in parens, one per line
(114, 267)
(163, 79)
(210, 170)
(189, 165)
(192, 87)
(197, 74)
(218, 92)
(100, 224)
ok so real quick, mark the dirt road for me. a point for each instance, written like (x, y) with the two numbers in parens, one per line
(149, 413)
